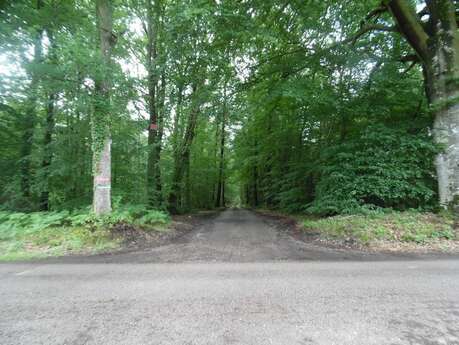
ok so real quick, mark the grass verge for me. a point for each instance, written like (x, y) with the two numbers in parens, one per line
(382, 229)
(41, 234)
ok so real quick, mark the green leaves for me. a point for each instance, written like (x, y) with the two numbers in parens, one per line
(383, 167)
(311, 124)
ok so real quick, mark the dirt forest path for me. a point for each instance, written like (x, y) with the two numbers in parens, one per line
(235, 235)
(238, 235)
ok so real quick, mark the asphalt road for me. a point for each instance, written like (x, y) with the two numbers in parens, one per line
(236, 280)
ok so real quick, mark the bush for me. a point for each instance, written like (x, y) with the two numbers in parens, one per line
(381, 168)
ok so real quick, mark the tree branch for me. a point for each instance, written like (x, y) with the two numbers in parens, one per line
(376, 13)
(410, 26)
(410, 58)
(412, 64)
(367, 28)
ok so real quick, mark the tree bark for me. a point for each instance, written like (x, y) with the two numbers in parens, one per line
(100, 123)
(442, 73)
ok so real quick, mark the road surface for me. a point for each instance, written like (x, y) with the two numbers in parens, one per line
(235, 280)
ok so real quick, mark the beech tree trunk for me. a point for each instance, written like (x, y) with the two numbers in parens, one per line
(442, 74)
(436, 43)
(100, 123)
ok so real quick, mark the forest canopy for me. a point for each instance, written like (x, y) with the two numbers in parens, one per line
(325, 107)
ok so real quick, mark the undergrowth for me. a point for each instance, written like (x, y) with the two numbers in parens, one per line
(41, 234)
(410, 226)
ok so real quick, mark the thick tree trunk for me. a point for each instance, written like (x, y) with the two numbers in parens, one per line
(100, 122)
(442, 84)
(102, 181)
(446, 133)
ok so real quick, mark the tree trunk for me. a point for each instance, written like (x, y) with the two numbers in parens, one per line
(47, 156)
(100, 123)
(178, 113)
(49, 130)
(436, 44)
(161, 119)
(153, 167)
(442, 74)
(186, 205)
(220, 202)
(30, 116)
(183, 152)
(175, 188)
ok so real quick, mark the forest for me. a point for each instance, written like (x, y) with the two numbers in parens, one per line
(172, 106)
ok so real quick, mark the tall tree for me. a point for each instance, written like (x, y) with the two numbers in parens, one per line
(101, 117)
(182, 154)
(220, 198)
(154, 135)
(433, 35)
(49, 130)
(30, 117)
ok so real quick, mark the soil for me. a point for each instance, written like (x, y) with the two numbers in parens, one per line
(137, 238)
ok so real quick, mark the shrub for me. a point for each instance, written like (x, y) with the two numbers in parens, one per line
(381, 168)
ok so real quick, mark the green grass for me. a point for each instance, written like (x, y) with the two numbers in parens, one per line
(55, 241)
(415, 227)
(41, 234)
